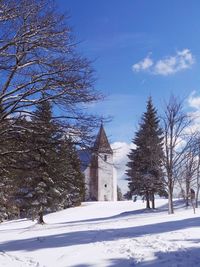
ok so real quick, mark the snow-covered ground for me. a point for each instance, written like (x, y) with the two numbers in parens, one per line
(104, 234)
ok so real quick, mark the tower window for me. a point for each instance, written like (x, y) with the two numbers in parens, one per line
(105, 157)
(105, 185)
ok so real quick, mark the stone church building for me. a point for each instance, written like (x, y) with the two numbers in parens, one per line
(100, 176)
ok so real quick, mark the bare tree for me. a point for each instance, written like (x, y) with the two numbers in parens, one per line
(175, 122)
(188, 171)
(38, 62)
(197, 182)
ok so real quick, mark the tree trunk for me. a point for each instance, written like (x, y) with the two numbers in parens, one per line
(147, 201)
(153, 201)
(187, 201)
(198, 183)
(170, 202)
(197, 197)
(40, 216)
(193, 205)
(187, 192)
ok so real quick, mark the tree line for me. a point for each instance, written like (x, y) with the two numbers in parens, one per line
(166, 155)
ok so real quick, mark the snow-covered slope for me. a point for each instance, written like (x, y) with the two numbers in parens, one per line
(104, 234)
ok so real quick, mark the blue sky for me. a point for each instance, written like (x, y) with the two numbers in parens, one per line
(139, 48)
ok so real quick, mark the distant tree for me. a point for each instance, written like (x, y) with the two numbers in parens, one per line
(197, 176)
(193, 158)
(189, 171)
(145, 161)
(187, 175)
(119, 194)
(128, 195)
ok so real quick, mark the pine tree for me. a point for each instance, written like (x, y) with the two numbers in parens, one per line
(49, 176)
(7, 158)
(119, 194)
(37, 191)
(145, 166)
(71, 182)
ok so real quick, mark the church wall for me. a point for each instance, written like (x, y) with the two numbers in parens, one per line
(94, 178)
(105, 177)
(87, 183)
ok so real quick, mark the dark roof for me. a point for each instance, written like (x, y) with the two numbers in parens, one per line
(101, 144)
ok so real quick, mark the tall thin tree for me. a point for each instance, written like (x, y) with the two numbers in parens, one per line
(175, 121)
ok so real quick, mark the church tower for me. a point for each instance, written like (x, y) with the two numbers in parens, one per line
(103, 184)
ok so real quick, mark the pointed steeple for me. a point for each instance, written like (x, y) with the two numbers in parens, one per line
(101, 144)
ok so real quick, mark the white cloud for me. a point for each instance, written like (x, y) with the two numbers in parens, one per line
(121, 150)
(166, 66)
(143, 65)
(194, 100)
(169, 65)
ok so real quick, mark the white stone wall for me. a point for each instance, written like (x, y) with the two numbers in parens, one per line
(106, 184)
(87, 183)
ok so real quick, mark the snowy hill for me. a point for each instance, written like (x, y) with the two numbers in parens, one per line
(104, 234)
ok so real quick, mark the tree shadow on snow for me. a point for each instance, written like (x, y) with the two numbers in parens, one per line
(93, 236)
(117, 216)
(178, 204)
(164, 208)
(179, 258)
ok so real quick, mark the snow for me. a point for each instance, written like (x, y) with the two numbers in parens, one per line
(104, 234)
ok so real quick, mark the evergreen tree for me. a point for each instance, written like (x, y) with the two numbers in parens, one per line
(145, 166)
(49, 176)
(71, 180)
(7, 159)
(25, 166)
(37, 183)
(119, 194)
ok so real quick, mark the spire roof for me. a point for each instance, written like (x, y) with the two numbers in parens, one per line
(101, 144)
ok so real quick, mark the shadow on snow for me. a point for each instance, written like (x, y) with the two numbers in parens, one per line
(180, 258)
(164, 208)
(92, 236)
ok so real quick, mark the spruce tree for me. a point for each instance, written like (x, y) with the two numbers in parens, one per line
(37, 191)
(71, 179)
(7, 159)
(119, 194)
(49, 176)
(145, 161)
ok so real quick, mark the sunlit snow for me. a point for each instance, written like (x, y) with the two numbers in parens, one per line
(104, 234)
